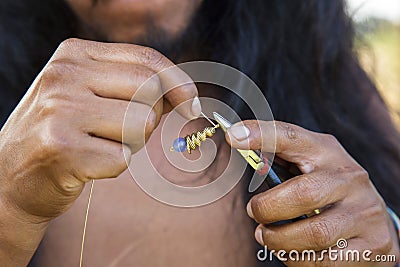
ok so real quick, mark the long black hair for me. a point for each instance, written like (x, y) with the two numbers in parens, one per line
(299, 52)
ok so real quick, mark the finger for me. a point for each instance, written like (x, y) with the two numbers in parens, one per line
(107, 79)
(177, 86)
(290, 142)
(316, 233)
(103, 159)
(299, 195)
(121, 121)
(123, 81)
(159, 111)
(167, 107)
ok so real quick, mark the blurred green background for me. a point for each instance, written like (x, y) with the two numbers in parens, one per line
(378, 46)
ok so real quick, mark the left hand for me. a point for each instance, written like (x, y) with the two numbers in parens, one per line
(331, 181)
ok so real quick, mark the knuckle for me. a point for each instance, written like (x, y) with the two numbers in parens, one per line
(330, 139)
(52, 139)
(290, 132)
(151, 56)
(319, 233)
(48, 108)
(360, 175)
(49, 76)
(69, 186)
(59, 68)
(70, 43)
(55, 105)
(374, 209)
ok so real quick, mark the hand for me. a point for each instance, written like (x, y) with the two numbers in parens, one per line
(331, 181)
(68, 127)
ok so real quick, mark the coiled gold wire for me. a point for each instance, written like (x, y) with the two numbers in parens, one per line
(194, 140)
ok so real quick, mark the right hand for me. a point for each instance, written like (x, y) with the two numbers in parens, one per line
(68, 127)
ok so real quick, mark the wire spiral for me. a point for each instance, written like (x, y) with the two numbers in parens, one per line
(194, 140)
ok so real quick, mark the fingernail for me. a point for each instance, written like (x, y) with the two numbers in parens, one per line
(249, 211)
(196, 107)
(259, 236)
(239, 132)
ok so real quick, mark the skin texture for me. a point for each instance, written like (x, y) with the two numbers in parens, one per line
(129, 228)
(330, 181)
(68, 130)
(77, 107)
(128, 20)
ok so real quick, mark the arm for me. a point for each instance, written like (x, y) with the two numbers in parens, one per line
(68, 129)
(20, 234)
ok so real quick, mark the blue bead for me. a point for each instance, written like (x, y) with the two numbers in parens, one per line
(179, 144)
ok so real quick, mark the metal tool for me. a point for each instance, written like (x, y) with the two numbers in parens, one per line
(253, 157)
(261, 164)
(256, 160)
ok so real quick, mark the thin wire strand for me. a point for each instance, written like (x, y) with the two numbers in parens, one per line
(90, 198)
(208, 119)
(85, 224)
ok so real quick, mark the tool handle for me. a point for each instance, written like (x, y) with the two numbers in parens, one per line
(273, 180)
(277, 175)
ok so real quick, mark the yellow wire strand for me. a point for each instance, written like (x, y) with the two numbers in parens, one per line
(208, 132)
(85, 224)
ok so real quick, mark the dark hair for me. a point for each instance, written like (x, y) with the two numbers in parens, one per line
(29, 33)
(299, 53)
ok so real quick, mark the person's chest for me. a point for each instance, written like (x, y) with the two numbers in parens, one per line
(128, 228)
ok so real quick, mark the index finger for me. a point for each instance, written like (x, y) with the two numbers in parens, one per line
(177, 87)
(290, 142)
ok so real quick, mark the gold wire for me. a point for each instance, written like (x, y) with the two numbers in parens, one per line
(207, 118)
(85, 224)
(194, 140)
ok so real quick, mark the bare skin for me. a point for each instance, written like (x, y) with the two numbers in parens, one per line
(331, 181)
(129, 20)
(68, 130)
(122, 232)
(95, 83)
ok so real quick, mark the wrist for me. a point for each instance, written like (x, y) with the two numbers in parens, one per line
(20, 234)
